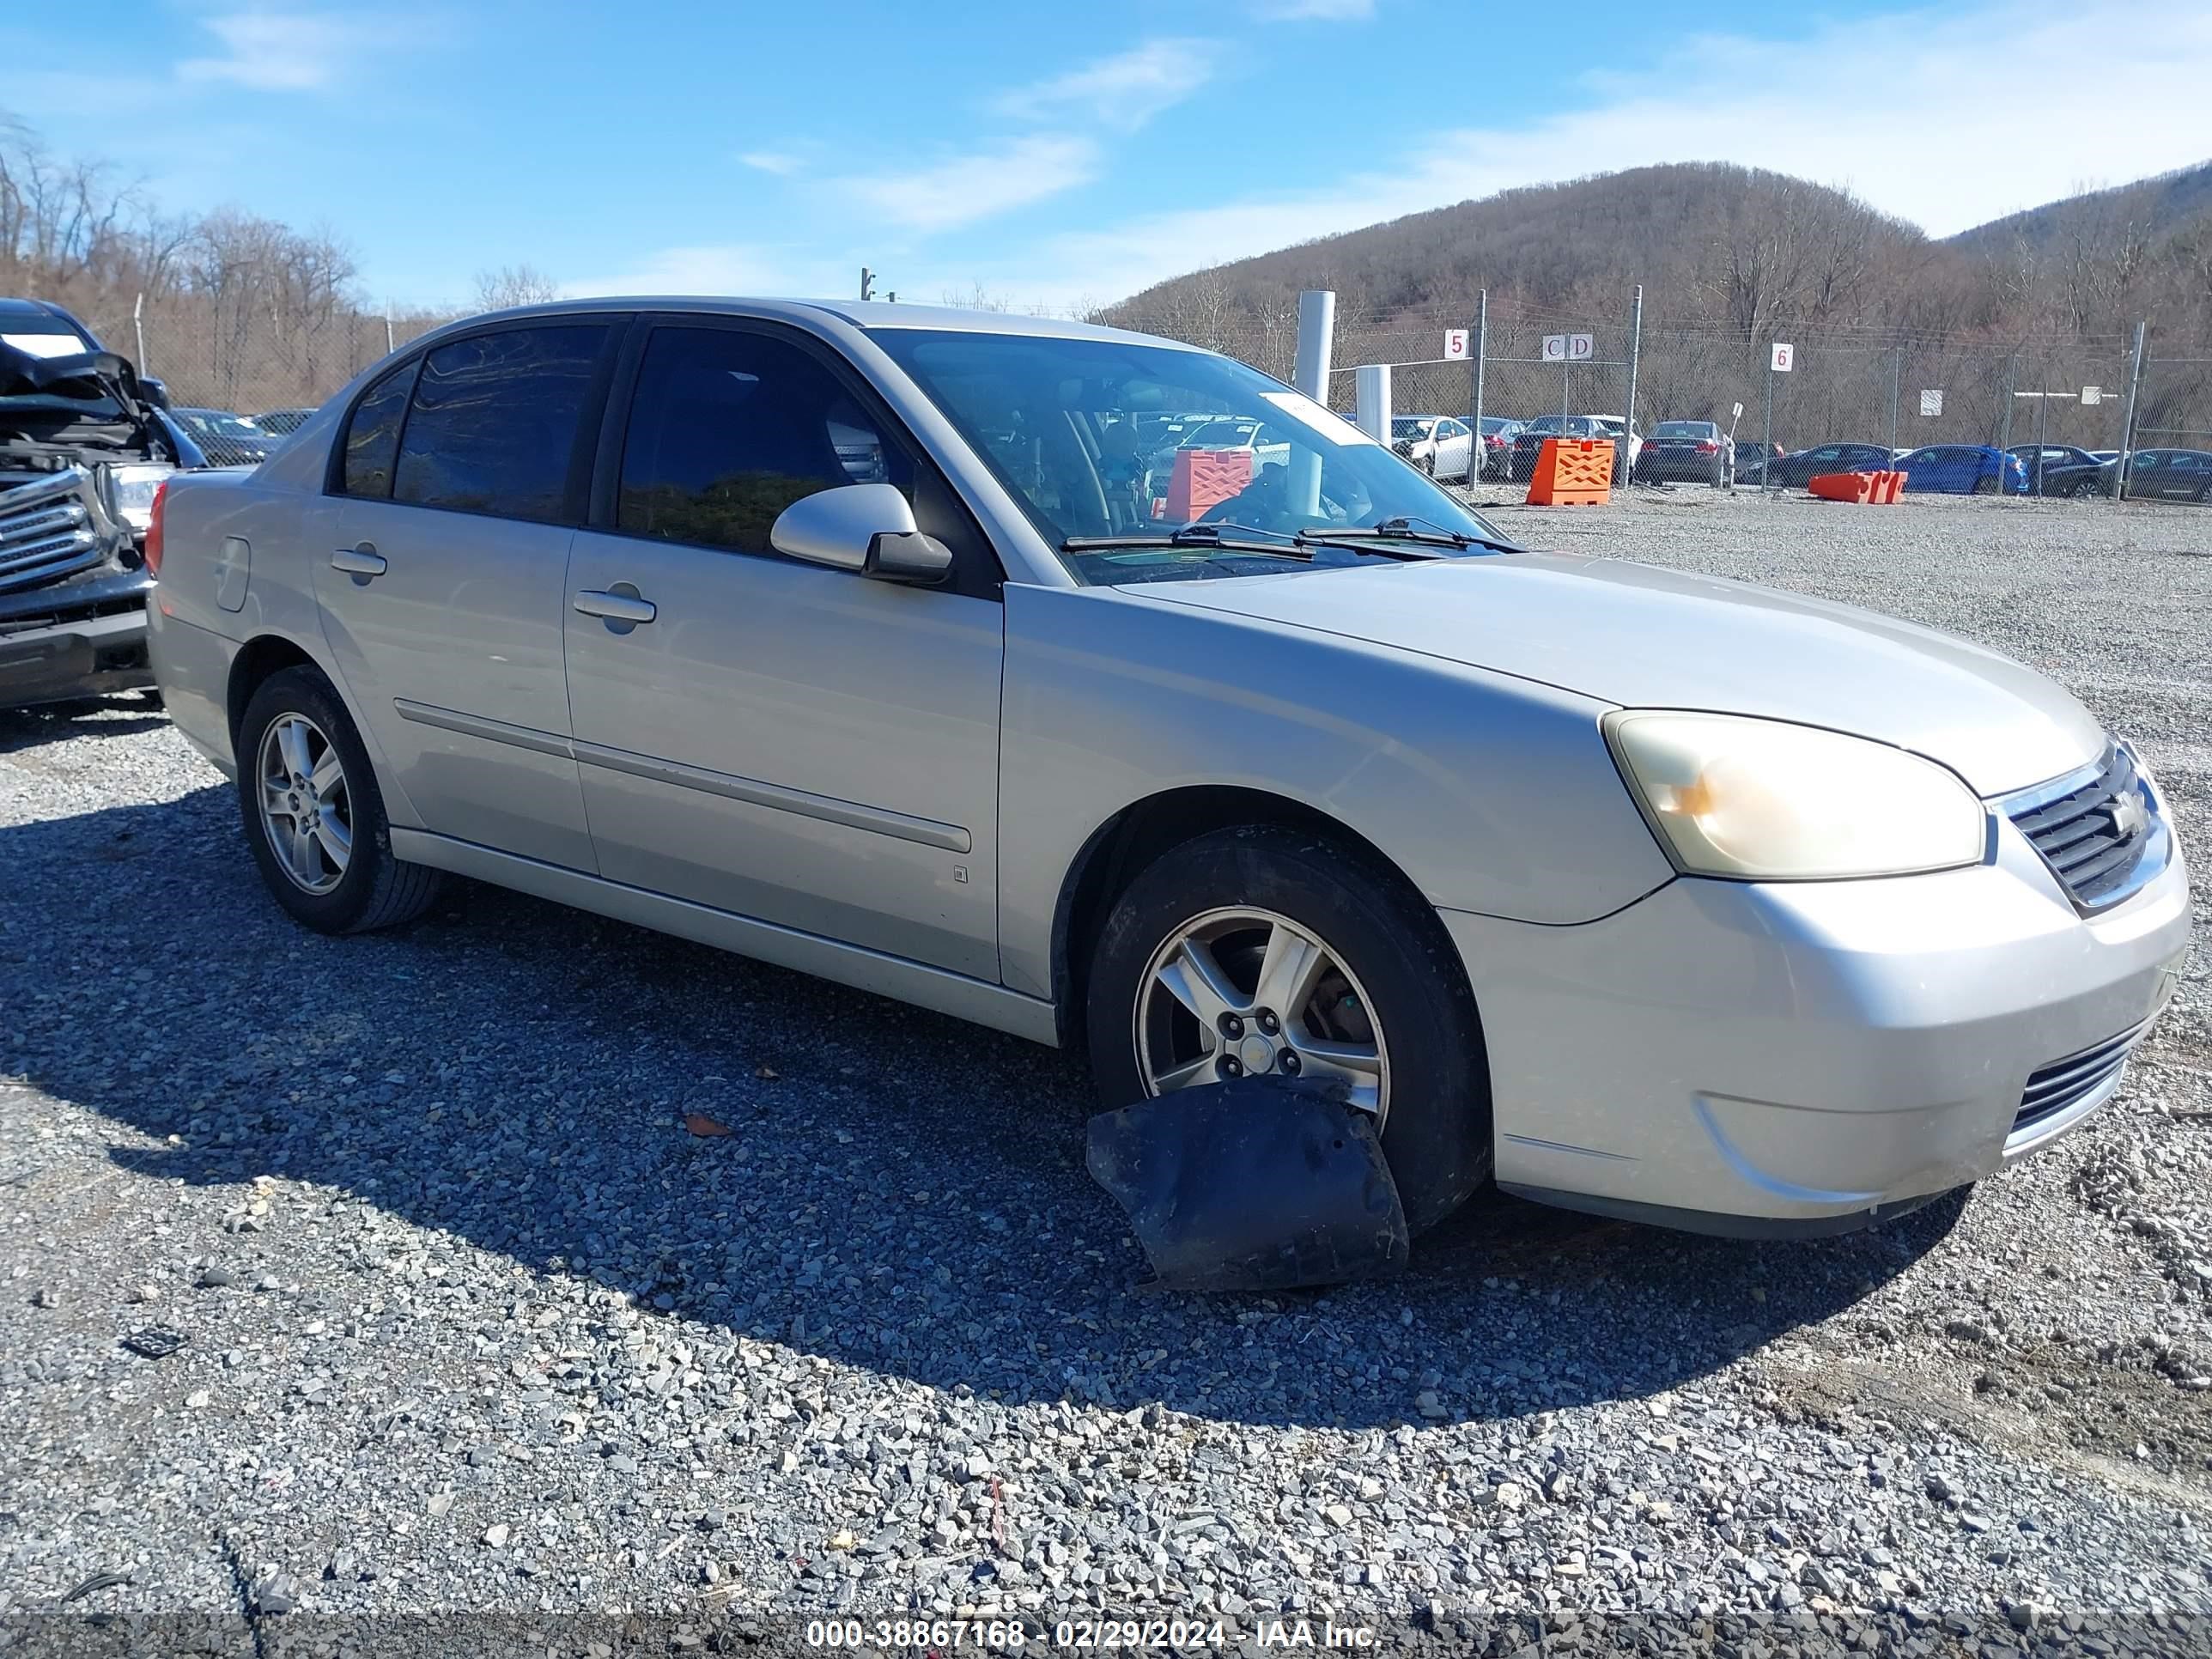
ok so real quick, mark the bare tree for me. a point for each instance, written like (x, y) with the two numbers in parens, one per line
(515, 285)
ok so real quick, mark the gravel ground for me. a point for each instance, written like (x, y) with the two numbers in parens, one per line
(467, 1321)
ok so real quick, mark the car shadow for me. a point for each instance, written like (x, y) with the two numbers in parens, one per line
(896, 1190)
(116, 716)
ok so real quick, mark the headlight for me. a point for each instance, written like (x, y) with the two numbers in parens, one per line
(1764, 800)
(134, 488)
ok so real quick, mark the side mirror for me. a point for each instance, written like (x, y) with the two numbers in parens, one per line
(865, 528)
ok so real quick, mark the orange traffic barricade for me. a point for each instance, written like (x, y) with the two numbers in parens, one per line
(1857, 487)
(1572, 472)
(1204, 479)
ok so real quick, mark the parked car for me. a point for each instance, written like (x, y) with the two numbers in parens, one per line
(2059, 469)
(229, 439)
(1498, 433)
(2169, 475)
(1420, 817)
(1441, 447)
(83, 451)
(1687, 452)
(1752, 455)
(1962, 470)
(1261, 437)
(1529, 443)
(281, 422)
(1793, 471)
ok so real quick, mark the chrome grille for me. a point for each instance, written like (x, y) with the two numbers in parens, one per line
(2065, 1083)
(2094, 833)
(46, 529)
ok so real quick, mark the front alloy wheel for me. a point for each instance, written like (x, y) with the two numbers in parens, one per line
(306, 809)
(1247, 992)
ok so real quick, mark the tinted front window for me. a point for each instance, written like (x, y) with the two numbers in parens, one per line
(494, 422)
(371, 439)
(727, 429)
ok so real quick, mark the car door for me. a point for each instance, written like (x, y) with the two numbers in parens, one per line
(798, 744)
(1455, 450)
(2191, 476)
(444, 593)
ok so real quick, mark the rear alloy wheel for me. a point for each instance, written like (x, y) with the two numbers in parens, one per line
(1985, 486)
(1266, 952)
(313, 815)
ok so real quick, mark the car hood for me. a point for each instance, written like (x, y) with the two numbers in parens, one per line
(1641, 636)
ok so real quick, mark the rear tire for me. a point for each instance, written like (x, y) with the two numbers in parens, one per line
(300, 760)
(1985, 486)
(1400, 982)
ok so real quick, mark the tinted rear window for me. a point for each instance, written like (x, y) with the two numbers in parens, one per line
(495, 419)
(371, 439)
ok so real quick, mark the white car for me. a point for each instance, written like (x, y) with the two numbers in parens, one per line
(1440, 445)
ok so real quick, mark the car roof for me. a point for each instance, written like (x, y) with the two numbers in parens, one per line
(871, 315)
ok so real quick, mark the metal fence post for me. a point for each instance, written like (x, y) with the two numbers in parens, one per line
(1628, 422)
(138, 328)
(2127, 421)
(1766, 471)
(389, 345)
(1481, 349)
(1896, 380)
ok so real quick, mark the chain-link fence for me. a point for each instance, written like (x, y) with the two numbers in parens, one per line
(253, 360)
(2060, 403)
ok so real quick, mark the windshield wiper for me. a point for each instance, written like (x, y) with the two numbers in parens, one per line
(1410, 529)
(1206, 536)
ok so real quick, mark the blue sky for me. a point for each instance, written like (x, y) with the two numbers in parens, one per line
(1053, 153)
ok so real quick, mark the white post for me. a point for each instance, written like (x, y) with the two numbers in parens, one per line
(138, 328)
(1317, 343)
(1372, 393)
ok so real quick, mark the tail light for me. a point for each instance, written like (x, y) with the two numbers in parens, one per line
(153, 532)
(1709, 449)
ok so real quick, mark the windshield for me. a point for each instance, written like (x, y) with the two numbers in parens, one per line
(1685, 429)
(1062, 422)
(1406, 425)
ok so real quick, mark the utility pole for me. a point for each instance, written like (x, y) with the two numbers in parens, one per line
(2128, 428)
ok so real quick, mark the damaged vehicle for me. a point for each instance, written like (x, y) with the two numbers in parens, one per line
(84, 449)
(1639, 892)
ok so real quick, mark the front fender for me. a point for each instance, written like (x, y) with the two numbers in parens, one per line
(1492, 795)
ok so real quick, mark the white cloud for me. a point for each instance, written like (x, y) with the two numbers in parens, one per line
(1124, 91)
(279, 51)
(1327, 11)
(770, 160)
(1973, 115)
(963, 189)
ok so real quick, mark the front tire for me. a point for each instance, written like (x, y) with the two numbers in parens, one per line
(1207, 938)
(315, 816)
(1985, 486)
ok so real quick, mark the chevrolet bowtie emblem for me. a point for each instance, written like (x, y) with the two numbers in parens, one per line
(2127, 813)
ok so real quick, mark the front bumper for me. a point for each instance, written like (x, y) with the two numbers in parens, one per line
(1758, 1059)
(83, 638)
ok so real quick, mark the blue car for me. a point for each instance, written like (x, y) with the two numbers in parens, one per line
(1962, 469)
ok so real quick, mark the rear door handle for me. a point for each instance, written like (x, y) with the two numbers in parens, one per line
(615, 607)
(361, 561)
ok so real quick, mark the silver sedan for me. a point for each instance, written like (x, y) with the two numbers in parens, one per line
(1642, 893)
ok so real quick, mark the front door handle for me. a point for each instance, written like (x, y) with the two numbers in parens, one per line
(364, 561)
(615, 607)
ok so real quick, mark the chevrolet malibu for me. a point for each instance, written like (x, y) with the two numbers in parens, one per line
(1644, 893)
